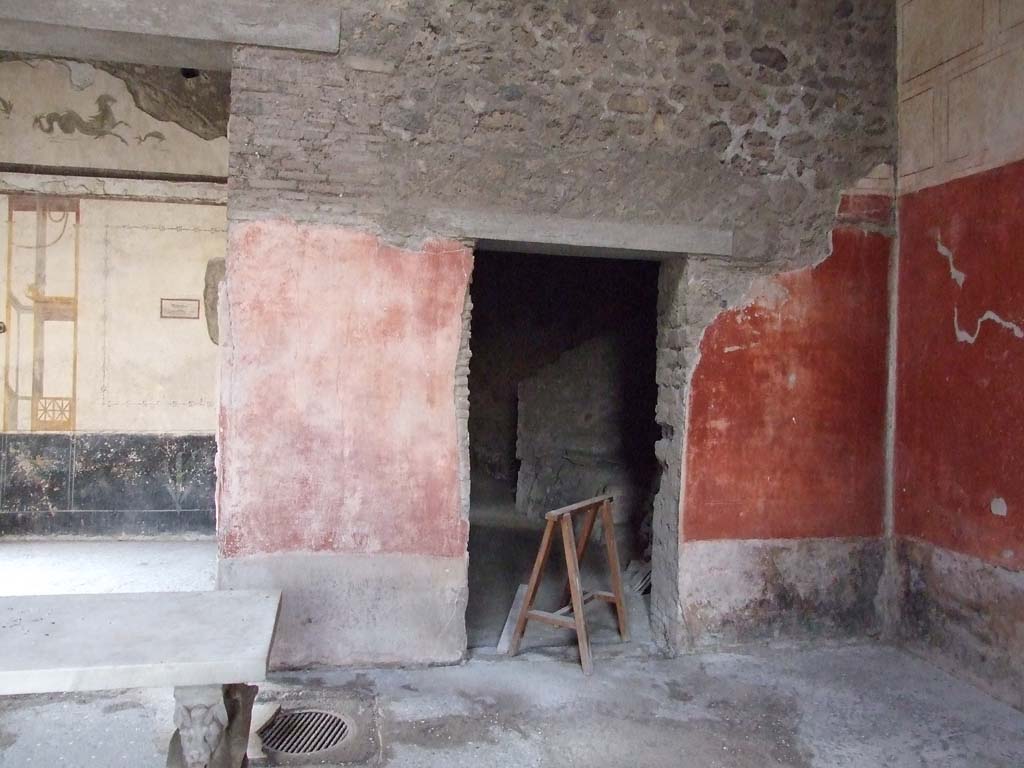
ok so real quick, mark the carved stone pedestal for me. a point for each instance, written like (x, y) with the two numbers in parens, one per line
(213, 726)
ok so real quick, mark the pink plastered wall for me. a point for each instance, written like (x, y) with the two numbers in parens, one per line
(338, 429)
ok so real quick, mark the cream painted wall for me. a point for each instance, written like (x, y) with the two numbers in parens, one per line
(961, 88)
(3, 293)
(136, 371)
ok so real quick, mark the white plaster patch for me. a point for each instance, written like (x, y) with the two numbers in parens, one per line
(998, 507)
(81, 75)
(881, 180)
(476, 104)
(956, 274)
(959, 277)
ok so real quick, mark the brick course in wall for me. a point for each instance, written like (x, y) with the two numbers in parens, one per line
(731, 113)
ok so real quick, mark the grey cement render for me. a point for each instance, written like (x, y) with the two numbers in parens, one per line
(963, 614)
(735, 592)
(860, 706)
(351, 610)
(462, 364)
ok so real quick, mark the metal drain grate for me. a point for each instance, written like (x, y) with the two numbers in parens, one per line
(303, 732)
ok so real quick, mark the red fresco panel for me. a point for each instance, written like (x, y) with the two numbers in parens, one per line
(787, 405)
(960, 411)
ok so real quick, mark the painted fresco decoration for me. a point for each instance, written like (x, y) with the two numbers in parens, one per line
(103, 123)
(70, 114)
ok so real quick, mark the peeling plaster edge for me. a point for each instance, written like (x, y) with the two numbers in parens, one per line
(225, 357)
(435, 244)
(684, 632)
(750, 296)
(666, 614)
(408, 238)
(759, 275)
(134, 92)
(461, 400)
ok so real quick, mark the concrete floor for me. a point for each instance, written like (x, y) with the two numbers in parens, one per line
(854, 706)
(502, 549)
(501, 557)
(860, 706)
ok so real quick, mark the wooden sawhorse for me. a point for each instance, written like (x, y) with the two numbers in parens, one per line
(590, 509)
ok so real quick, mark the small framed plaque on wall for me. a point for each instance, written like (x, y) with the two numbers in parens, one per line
(179, 309)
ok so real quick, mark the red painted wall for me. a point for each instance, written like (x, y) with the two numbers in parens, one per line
(960, 408)
(337, 422)
(787, 404)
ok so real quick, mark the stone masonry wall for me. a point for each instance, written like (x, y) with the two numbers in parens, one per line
(729, 114)
(673, 362)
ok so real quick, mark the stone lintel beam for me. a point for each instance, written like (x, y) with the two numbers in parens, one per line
(311, 25)
(584, 237)
(124, 47)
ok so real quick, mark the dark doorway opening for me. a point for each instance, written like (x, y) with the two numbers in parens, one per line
(562, 396)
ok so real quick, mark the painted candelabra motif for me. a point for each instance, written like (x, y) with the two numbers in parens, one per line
(41, 313)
